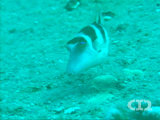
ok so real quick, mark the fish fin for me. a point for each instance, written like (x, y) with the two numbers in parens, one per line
(99, 18)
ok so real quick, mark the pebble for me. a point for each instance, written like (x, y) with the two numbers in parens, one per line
(157, 10)
(108, 15)
(59, 110)
(71, 110)
(72, 4)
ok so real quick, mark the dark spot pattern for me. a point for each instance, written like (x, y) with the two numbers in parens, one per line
(77, 40)
(102, 31)
(90, 32)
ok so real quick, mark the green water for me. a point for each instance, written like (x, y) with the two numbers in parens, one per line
(33, 60)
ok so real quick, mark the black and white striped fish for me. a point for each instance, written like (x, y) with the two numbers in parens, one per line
(88, 48)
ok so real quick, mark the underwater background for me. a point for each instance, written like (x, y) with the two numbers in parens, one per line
(33, 60)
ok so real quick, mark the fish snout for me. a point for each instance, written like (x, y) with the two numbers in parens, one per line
(78, 63)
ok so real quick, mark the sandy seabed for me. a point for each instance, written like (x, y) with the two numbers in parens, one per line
(34, 84)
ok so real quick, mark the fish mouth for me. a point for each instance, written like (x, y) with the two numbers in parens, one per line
(75, 66)
(81, 61)
(78, 63)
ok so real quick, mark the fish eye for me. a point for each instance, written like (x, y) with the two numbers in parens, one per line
(82, 44)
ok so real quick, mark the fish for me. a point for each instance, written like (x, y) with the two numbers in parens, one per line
(88, 48)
